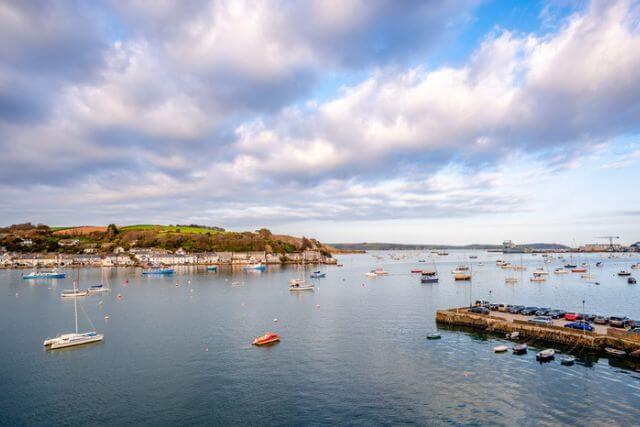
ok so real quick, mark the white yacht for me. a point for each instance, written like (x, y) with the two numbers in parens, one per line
(73, 339)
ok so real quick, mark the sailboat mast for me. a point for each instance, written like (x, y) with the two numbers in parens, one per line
(75, 298)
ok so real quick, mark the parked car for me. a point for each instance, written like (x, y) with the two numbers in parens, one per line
(632, 324)
(529, 311)
(634, 331)
(581, 325)
(480, 303)
(543, 311)
(571, 316)
(618, 321)
(517, 309)
(601, 320)
(556, 314)
(541, 320)
(494, 307)
(479, 310)
(504, 308)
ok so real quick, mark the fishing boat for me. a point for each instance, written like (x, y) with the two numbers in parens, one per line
(520, 349)
(212, 268)
(255, 267)
(624, 273)
(546, 355)
(266, 339)
(500, 349)
(158, 271)
(296, 285)
(318, 275)
(567, 360)
(73, 339)
(462, 276)
(615, 352)
(429, 277)
(53, 274)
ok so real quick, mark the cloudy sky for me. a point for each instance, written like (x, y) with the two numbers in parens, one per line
(403, 121)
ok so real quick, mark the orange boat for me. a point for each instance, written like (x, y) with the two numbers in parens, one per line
(579, 270)
(268, 338)
(417, 270)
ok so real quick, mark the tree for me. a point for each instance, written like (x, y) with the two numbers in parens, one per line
(112, 231)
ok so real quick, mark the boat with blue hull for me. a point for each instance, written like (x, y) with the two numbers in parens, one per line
(53, 274)
(318, 275)
(212, 268)
(158, 271)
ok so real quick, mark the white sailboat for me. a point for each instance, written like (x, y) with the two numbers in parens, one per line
(73, 339)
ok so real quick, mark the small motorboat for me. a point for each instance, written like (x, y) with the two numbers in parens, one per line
(579, 270)
(520, 349)
(434, 336)
(635, 266)
(510, 280)
(370, 274)
(599, 264)
(416, 270)
(624, 273)
(429, 277)
(567, 360)
(513, 335)
(212, 268)
(570, 266)
(462, 276)
(266, 339)
(560, 270)
(500, 349)
(380, 272)
(546, 355)
(631, 280)
(300, 285)
(615, 352)
(422, 260)
(538, 279)
(318, 275)
(255, 267)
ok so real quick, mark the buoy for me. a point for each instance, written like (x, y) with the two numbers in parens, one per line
(17, 294)
(275, 320)
(106, 317)
(206, 349)
(242, 305)
(119, 296)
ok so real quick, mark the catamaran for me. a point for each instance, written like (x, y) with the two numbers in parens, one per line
(73, 339)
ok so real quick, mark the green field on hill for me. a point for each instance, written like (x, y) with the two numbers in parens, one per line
(169, 229)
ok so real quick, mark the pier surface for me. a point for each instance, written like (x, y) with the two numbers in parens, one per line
(603, 336)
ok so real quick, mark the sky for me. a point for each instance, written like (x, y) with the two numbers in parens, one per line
(349, 120)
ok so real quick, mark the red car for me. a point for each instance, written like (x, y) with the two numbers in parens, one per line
(571, 316)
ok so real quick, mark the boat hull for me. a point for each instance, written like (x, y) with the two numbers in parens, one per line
(72, 340)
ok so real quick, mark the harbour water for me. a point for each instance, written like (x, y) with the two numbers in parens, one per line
(352, 352)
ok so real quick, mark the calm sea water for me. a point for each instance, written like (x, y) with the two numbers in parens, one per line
(352, 352)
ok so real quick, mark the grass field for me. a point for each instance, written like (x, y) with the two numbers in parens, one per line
(168, 229)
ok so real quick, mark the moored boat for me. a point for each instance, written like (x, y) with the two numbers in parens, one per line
(318, 275)
(300, 285)
(500, 349)
(70, 293)
(579, 270)
(266, 339)
(546, 355)
(520, 349)
(95, 289)
(624, 273)
(212, 268)
(615, 352)
(567, 360)
(462, 276)
(380, 272)
(560, 270)
(158, 271)
(53, 274)
(255, 267)
(434, 336)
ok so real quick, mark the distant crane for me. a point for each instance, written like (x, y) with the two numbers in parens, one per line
(611, 239)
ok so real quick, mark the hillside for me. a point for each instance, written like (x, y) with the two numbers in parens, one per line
(191, 238)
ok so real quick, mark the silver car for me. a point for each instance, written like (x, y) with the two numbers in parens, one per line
(542, 320)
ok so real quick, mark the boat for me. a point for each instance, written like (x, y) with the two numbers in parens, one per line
(599, 264)
(318, 275)
(266, 339)
(422, 260)
(579, 270)
(513, 335)
(462, 276)
(370, 274)
(631, 280)
(635, 266)
(541, 272)
(70, 293)
(443, 253)
(546, 355)
(615, 352)
(500, 349)
(567, 360)
(560, 270)
(473, 256)
(212, 268)
(624, 273)
(300, 285)
(95, 289)
(520, 349)
(158, 271)
(416, 270)
(380, 272)
(53, 274)
(538, 279)
(570, 266)
(73, 339)
(429, 277)
(512, 279)
(434, 336)
(255, 267)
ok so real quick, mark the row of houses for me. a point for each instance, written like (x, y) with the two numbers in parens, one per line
(150, 256)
